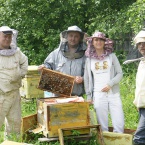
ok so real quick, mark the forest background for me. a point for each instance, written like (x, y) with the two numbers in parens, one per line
(40, 22)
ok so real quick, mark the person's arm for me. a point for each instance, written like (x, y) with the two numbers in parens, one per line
(80, 79)
(49, 61)
(117, 68)
(86, 81)
(23, 63)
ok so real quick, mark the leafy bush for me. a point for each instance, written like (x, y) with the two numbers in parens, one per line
(39, 22)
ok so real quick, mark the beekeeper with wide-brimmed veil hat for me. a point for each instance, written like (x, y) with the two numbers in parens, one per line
(69, 57)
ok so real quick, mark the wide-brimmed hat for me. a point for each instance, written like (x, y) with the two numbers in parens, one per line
(72, 29)
(91, 52)
(6, 30)
(97, 34)
(140, 37)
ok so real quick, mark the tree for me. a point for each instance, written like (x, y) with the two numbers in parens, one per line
(40, 21)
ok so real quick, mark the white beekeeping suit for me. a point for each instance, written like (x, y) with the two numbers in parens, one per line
(13, 67)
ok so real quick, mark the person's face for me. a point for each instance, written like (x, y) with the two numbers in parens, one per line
(73, 38)
(141, 48)
(5, 40)
(98, 43)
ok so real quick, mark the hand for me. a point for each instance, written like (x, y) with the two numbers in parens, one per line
(40, 67)
(90, 102)
(78, 79)
(106, 88)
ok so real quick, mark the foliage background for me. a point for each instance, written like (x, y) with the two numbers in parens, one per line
(39, 22)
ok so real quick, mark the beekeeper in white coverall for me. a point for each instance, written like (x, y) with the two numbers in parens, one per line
(13, 66)
(139, 101)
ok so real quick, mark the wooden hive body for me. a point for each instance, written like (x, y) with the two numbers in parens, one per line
(29, 84)
(51, 115)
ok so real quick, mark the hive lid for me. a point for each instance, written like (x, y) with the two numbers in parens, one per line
(33, 69)
(56, 82)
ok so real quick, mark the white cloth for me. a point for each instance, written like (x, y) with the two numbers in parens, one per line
(139, 100)
(105, 103)
(115, 76)
(101, 73)
(10, 111)
(12, 69)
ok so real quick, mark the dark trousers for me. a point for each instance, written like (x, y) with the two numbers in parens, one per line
(139, 136)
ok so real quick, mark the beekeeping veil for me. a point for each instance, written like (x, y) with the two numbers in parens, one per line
(108, 47)
(134, 55)
(13, 45)
(64, 43)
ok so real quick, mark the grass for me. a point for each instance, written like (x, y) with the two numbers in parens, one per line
(127, 87)
(127, 93)
(1, 133)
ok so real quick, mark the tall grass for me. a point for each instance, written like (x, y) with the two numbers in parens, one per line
(127, 93)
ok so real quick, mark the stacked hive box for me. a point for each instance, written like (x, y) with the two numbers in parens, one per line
(113, 138)
(52, 115)
(30, 83)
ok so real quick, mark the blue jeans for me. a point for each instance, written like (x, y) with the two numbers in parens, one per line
(139, 137)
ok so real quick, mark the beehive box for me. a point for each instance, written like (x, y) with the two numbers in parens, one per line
(52, 115)
(30, 83)
(112, 138)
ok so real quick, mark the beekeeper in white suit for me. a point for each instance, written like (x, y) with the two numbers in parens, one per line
(139, 101)
(13, 66)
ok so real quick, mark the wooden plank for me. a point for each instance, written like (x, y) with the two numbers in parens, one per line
(28, 122)
(48, 139)
(126, 130)
(51, 139)
(61, 139)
